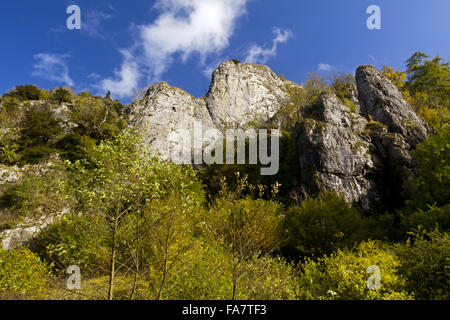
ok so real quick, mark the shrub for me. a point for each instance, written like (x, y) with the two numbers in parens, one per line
(428, 220)
(8, 153)
(22, 275)
(75, 240)
(343, 275)
(320, 226)
(76, 147)
(34, 195)
(268, 278)
(96, 117)
(425, 265)
(432, 186)
(255, 224)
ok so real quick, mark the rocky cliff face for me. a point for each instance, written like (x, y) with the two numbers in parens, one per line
(361, 152)
(240, 95)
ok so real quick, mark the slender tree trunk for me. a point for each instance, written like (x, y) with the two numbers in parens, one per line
(163, 279)
(113, 262)
(133, 291)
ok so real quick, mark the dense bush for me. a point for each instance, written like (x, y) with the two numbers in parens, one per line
(22, 275)
(432, 186)
(26, 92)
(75, 240)
(343, 275)
(425, 265)
(320, 226)
(429, 220)
(96, 117)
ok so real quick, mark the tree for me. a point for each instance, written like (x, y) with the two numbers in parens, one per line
(136, 195)
(39, 133)
(96, 117)
(396, 76)
(245, 229)
(61, 95)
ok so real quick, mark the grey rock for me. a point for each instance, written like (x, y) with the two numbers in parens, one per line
(381, 99)
(240, 95)
(362, 154)
(25, 232)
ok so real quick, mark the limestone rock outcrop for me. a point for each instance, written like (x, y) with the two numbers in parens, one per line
(362, 152)
(240, 95)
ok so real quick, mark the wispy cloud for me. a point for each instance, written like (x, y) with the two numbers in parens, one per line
(183, 28)
(325, 67)
(92, 23)
(52, 67)
(258, 54)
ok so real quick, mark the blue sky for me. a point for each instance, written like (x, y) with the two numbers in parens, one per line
(126, 45)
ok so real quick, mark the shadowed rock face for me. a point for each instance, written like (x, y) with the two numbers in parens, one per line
(363, 154)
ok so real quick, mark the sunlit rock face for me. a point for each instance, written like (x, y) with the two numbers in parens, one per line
(240, 95)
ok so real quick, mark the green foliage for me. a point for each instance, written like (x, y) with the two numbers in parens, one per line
(61, 95)
(40, 131)
(429, 76)
(34, 195)
(425, 265)
(8, 153)
(428, 220)
(320, 226)
(27, 92)
(432, 186)
(75, 146)
(343, 275)
(298, 98)
(268, 278)
(253, 225)
(22, 275)
(96, 117)
(341, 83)
(75, 240)
(44, 94)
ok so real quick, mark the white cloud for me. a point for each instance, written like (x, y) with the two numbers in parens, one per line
(258, 54)
(325, 67)
(128, 76)
(52, 67)
(182, 28)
